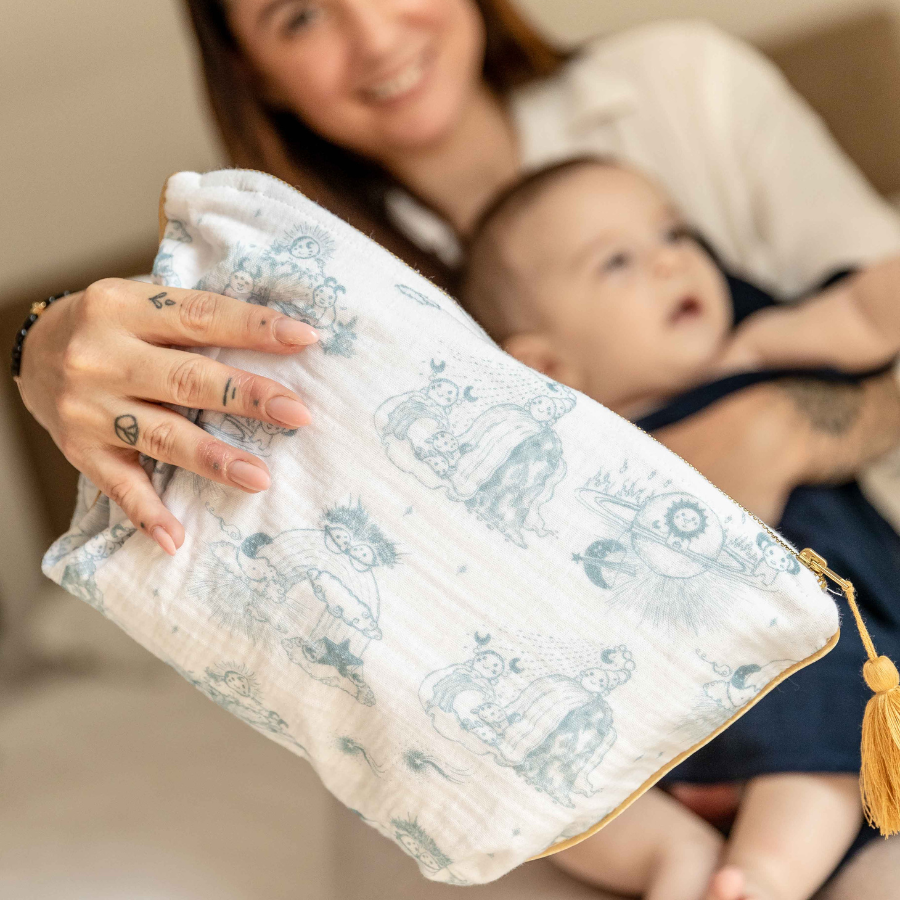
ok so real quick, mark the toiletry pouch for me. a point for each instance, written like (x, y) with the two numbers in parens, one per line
(488, 611)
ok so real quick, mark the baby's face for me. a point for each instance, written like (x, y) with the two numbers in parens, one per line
(634, 306)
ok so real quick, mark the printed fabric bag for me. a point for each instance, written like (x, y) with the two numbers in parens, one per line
(488, 611)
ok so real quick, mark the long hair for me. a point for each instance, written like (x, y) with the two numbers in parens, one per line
(257, 136)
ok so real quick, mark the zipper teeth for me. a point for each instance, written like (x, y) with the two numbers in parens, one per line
(770, 531)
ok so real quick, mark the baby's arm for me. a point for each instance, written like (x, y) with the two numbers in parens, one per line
(853, 325)
(791, 832)
(656, 849)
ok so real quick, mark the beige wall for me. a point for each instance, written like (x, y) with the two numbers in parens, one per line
(99, 103)
(761, 20)
(97, 106)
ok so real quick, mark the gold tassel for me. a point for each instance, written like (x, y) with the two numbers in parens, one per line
(879, 779)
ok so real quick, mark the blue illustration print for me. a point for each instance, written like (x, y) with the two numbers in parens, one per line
(730, 692)
(235, 688)
(164, 270)
(238, 582)
(176, 231)
(245, 278)
(422, 848)
(775, 559)
(553, 733)
(502, 464)
(310, 590)
(666, 554)
(291, 275)
(351, 747)
(449, 308)
(418, 296)
(252, 434)
(422, 763)
(78, 577)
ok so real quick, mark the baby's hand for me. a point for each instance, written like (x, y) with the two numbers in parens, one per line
(741, 353)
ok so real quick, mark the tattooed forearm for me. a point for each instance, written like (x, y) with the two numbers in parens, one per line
(161, 300)
(830, 407)
(127, 429)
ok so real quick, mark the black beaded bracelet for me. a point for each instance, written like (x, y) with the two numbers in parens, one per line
(36, 310)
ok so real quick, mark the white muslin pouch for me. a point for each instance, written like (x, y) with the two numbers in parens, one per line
(488, 611)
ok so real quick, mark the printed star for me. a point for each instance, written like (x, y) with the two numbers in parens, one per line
(339, 656)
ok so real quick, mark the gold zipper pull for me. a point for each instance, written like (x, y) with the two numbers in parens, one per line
(880, 774)
(819, 566)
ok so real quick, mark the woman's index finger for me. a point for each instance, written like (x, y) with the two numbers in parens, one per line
(195, 318)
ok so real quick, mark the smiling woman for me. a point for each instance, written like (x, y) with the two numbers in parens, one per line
(406, 117)
(333, 96)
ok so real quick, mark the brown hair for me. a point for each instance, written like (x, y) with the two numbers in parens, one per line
(257, 136)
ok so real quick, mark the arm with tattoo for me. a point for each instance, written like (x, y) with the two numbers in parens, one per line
(844, 426)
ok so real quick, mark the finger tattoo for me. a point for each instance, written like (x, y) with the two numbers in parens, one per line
(161, 300)
(225, 393)
(127, 429)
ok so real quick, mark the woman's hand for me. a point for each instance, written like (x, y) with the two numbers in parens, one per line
(97, 365)
(761, 443)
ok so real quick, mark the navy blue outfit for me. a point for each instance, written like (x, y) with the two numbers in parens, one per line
(811, 722)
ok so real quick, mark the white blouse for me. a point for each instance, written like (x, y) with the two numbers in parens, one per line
(742, 154)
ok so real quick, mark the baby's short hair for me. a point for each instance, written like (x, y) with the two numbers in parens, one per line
(492, 291)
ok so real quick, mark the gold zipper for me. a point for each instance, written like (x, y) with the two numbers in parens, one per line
(809, 558)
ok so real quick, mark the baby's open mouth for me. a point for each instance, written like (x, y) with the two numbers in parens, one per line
(687, 309)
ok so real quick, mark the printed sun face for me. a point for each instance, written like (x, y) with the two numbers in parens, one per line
(305, 247)
(686, 519)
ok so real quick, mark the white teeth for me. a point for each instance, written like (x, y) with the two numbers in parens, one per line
(399, 84)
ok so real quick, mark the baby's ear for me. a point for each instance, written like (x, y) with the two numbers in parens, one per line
(531, 349)
(538, 352)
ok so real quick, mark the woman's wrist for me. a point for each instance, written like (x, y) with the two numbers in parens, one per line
(18, 349)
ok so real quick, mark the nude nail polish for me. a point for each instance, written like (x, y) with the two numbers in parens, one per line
(248, 476)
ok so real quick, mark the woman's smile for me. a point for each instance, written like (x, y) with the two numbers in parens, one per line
(402, 83)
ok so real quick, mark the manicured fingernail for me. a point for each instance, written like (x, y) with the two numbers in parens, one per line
(287, 411)
(249, 476)
(163, 538)
(289, 331)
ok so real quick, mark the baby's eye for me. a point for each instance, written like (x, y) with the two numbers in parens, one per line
(616, 261)
(680, 232)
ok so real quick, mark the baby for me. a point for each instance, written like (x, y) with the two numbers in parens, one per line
(586, 272)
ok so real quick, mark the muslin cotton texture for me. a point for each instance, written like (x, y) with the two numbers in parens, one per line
(487, 610)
